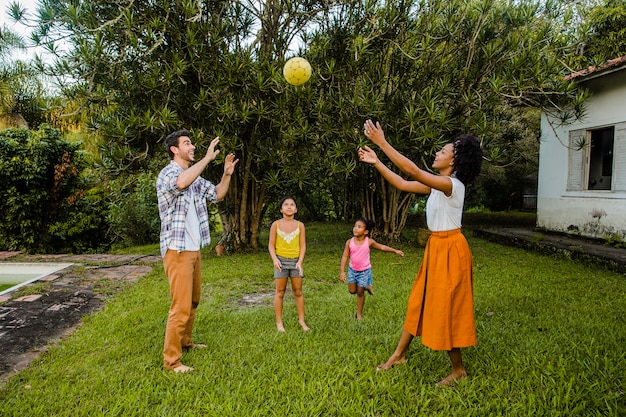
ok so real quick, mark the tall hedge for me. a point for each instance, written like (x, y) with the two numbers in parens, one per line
(46, 202)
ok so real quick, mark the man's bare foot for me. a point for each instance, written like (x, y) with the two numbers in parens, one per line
(304, 326)
(280, 327)
(182, 369)
(195, 346)
(452, 379)
(391, 362)
(369, 289)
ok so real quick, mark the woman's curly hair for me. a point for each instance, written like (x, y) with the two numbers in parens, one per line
(468, 158)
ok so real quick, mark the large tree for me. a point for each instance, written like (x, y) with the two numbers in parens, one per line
(142, 69)
(15, 76)
(9, 41)
(430, 70)
(24, 95)
(606, 32)
(427, 69)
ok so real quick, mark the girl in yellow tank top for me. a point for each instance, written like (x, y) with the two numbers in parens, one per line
(287, 246)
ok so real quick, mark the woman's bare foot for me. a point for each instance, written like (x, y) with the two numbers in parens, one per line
(304, 326)
(280, 327)
(392, 361)
(182, 369)
(452, 379)
(369, 289)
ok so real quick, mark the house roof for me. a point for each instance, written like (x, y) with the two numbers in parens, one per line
(608, 67)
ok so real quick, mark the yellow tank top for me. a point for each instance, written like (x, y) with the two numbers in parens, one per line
(288, 244)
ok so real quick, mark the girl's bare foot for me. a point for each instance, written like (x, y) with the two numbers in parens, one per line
(452, 379)
(280, 327)
(392, 361)
(369, 289)
(304, 326)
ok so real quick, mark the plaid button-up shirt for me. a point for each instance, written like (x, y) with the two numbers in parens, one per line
(174, 204)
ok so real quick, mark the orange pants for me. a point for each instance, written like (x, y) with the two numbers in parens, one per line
(183, 271)
(441, 304)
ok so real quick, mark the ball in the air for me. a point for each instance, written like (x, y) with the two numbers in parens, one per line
(297, 71)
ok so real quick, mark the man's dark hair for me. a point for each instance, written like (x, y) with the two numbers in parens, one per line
(172, 140)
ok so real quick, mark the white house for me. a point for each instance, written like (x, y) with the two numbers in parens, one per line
(582, 165)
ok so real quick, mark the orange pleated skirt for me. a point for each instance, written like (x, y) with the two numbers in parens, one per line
(441, 304)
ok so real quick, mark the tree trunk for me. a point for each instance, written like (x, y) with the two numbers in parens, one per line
(242, 221)
(389, 208)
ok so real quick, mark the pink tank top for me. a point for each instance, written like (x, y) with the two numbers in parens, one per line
(360, 255)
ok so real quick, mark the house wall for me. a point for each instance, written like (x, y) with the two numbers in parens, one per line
(593, 213)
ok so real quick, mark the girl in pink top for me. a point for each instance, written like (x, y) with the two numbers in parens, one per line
(360, 269)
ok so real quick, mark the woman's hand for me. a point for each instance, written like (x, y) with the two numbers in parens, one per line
(367, 155)
(374, 132)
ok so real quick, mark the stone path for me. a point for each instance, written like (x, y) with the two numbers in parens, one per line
(53, 306)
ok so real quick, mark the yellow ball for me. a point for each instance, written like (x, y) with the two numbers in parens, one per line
(297, 71)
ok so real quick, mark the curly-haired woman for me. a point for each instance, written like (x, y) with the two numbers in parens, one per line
(441, 304)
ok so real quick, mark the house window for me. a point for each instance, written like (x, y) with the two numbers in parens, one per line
(597, 159)
(601, 159)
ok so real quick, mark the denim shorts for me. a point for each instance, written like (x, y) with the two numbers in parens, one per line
(288, 269)
(362, 279)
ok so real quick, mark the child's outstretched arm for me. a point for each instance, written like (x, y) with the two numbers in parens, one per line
(344, 261)
(384, 248)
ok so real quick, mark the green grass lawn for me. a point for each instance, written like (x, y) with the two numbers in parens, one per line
(551, 342)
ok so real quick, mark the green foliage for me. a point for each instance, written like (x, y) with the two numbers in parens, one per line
(427, 70)
(21, 89)
(44, 200)
(606, 36)
(83, 227)
(8, 42)
(615, 240)
(133, 210)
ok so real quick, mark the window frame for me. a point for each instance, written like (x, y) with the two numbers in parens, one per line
(579, 159)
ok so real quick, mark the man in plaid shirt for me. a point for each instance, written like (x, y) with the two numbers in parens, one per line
(182, 195)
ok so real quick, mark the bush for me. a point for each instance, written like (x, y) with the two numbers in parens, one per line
(44, 193)
(85, 227)
(133, 211)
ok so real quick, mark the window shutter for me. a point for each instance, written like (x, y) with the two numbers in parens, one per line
(576, 160)
(619, 158)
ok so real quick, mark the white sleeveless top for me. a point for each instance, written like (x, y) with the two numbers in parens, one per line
(445, 213)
